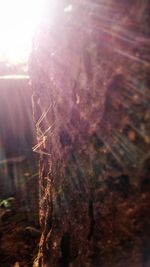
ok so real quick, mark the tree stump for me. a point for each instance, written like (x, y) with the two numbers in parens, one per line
(89, 70)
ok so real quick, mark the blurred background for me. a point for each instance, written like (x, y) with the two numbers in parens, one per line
(19, 223)
(18, 167)
(18, 170)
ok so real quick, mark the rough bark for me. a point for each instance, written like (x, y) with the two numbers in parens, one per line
(90, 77)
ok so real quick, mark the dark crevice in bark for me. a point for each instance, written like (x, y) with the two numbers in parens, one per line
(65, 250)
(146, 254)
(65, 138)
(92, 220)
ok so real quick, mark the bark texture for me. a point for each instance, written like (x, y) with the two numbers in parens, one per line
(90, 77)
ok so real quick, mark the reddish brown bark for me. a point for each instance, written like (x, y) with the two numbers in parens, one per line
(90, 76)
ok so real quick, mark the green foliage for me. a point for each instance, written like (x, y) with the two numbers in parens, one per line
(6, 203)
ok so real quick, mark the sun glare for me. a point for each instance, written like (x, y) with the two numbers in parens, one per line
(18, 20)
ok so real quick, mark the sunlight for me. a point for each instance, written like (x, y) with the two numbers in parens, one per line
(18, 20)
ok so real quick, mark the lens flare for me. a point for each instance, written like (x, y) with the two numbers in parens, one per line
(18, 21)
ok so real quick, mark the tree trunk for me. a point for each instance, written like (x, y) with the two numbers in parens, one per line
(90, 76)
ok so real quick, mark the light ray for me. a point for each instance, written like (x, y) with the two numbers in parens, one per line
(18, 20)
